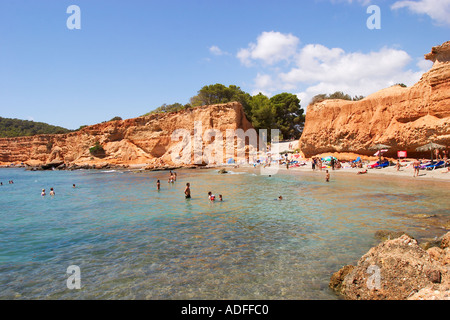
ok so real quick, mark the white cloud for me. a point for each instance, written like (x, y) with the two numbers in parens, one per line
(270, 48)
(315, 68)
(325, 70)
(438, 10)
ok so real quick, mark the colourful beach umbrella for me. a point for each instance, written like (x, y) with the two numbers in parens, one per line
(379, 147)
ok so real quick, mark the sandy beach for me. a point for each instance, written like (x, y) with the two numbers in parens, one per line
(406, 172)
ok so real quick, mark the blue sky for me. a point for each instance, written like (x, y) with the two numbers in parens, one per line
(130, 57)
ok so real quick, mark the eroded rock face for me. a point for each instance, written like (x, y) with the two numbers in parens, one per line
(397, 269)
(143, 140)
(403, 118)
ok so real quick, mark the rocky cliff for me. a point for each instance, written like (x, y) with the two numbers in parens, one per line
(143, 140)
(403, 118)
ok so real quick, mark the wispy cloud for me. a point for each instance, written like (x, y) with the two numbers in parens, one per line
(215, 50)
(438, 10)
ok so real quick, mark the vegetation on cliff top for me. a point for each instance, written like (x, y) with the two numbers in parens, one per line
(338, 95)
(19, 128)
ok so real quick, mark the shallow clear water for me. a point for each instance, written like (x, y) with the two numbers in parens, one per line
(133, 242)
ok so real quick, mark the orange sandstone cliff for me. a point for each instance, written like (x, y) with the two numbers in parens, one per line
(142, 140)
(403, 118)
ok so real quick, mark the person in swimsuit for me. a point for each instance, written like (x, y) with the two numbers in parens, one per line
(187, 191)
(43, 192)
(398, 165)
(327, 177)
(158, 185)
(52, 192)
(416, 166)
(220, 197)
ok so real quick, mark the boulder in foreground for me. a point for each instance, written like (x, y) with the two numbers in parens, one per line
(397, 269)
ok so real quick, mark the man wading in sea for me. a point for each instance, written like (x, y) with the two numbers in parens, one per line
(187, 191)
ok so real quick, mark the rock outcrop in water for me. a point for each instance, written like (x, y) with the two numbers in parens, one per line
(403, 118)
(143, 140)
(398, 269)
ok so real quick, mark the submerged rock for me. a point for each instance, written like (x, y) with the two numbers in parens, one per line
(384, 235)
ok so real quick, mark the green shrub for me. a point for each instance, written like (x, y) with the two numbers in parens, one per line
(97, 150)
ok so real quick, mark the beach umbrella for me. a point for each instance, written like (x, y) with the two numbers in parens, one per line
(430, 147)
(379, 147)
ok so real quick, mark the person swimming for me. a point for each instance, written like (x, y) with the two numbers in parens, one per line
(280, 198)
(73, 186)
(52, 192)
(43, 192)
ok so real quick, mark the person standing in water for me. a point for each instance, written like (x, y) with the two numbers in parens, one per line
(52, 192)
(43, 192)
(327, 176)
(187, 191)
(158, 185)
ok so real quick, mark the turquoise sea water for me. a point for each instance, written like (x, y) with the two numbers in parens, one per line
(133, 242)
